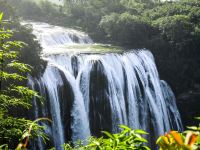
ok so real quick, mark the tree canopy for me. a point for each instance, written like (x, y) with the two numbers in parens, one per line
(170, 29)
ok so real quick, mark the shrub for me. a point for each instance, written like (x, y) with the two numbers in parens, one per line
(13, 95)
(127, 139)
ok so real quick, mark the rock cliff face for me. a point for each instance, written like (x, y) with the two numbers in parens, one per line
(183, 75)
(189, 107)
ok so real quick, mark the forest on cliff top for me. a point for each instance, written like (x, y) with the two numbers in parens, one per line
(170, 29)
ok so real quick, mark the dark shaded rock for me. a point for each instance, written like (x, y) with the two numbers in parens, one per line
(189, 107)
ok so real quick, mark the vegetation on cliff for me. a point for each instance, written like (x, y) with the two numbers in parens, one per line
(170, 29)
(14, 96)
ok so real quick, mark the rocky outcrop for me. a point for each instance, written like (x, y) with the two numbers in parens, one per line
(189, 107)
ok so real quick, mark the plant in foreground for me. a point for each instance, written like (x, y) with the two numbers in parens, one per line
(127, 139)
(33, 130)
(131, 139)
(13, 95)
(188, 140)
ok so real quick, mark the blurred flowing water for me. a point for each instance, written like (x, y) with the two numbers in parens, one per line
(86, 93)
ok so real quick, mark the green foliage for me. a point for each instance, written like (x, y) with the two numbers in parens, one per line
(178, 22)
(126, 22)
(127, 139)
(125, 28)
(33, 130)
(13, 95)
(176, 29)
(132, 139)
(170, 29)
(21, 34)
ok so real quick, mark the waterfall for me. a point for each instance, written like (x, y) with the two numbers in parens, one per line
(87, 93)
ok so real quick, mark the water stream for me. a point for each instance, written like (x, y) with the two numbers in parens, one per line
(87, 92)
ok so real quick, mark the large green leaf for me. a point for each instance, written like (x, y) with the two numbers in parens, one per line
(125, 127)
(193, 128)
(197, 118)
(1, 16)
(140, 131)
(108, 134)
(145, 147)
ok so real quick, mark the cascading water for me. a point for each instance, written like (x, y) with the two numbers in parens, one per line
(88, 93)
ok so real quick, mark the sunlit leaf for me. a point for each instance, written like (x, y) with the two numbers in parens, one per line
(193, 128)
(140, 131)
(125, 127)
(108, 134)
(197, 118)
(1, 16)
